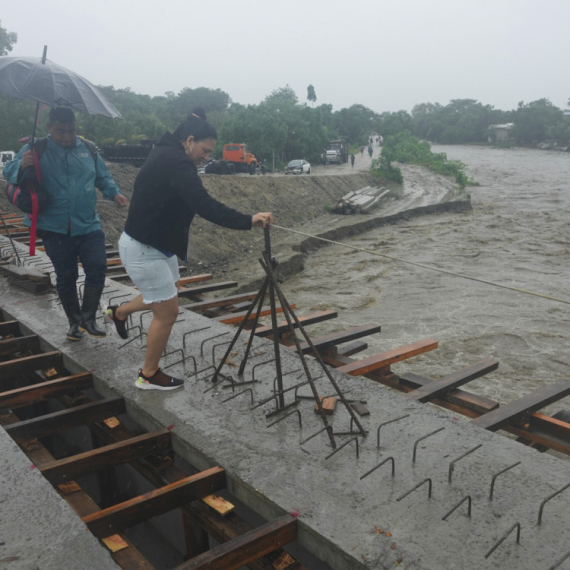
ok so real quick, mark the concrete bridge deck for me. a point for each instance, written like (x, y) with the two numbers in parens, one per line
(346, 522)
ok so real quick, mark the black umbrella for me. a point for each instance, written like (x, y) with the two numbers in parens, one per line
(46, 82)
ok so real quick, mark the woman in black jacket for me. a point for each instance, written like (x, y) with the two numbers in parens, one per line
(168, 193)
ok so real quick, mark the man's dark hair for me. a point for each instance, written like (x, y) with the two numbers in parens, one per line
(61, 115)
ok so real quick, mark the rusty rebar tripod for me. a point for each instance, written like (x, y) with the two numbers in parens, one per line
(271, 286)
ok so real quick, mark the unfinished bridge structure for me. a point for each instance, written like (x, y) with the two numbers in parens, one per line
(283, 449)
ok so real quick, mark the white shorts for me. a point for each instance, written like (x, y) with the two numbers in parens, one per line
(151, 271)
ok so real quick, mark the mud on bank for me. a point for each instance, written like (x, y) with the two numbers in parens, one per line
(300, 202)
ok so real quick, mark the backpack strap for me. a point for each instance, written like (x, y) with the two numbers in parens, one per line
(92, 149)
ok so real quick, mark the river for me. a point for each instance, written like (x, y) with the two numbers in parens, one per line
(518, 234)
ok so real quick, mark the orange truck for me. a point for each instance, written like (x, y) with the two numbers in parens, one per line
(238, 154)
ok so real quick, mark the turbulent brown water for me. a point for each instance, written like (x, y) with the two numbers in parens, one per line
(518, 235)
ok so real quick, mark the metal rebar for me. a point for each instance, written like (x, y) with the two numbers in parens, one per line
(211, 338)
(284, 374)
(427, 480)
(350, 432)
(328, 427)
(380, 465)
(386, 423)
(259, 404)
(237, 384)
(259, 364)
(215, 384)
(286, 416)
(421, 439)
(141, 318)
(452, 464)
(557, 563)
(111, 299)
(548, 499)
(214, 351)
(134, 338)
(192, 332)
(239, 394)
(518, 527)
(344, 445)
(184, 360)
(279, 407)
(11, 240)
(500, 473)
(467, 498)
(260, 297)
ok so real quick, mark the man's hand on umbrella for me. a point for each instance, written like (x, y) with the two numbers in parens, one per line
(27, 160)
(120, 200)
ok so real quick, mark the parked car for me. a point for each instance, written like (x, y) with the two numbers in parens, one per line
(298, 167)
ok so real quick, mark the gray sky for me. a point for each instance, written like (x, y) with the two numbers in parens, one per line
(387, 55)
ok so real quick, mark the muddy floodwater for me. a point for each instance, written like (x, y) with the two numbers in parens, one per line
(518, 235)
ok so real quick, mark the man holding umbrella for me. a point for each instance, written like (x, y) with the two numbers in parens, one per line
(70, 226)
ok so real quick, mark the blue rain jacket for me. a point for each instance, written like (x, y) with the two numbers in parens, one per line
(70, 178)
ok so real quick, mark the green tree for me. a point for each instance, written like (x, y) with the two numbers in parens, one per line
(286, 94)
(7, 40)
(534, 120)
(311, 95)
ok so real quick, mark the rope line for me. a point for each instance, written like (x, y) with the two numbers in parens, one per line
(429, 267)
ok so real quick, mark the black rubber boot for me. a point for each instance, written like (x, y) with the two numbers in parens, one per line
(70, 304)
(91, 297)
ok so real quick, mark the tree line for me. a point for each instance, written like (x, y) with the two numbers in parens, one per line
(282, 127)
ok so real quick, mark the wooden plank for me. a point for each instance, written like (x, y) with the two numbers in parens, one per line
(110, 521)
(201, 289)
(527, 404)
(328, 405)
(66, 419)
(14, 399)
(352, 348)
(245, 548)
(387, 358)
(305, 321)
(195, 278)
(339, 337)
(12, 368)
(454, 380)
(20, 344)
(234, 318)
(70, 468)
(220, 302)
(468, 400)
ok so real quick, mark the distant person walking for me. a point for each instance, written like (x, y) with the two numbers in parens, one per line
(352, 159)
(370, 150)
(362, 150)
(168, 193)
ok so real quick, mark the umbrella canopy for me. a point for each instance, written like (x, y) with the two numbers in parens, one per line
(52, 84)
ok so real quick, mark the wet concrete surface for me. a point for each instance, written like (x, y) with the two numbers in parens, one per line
(340, 516)
(38, 529)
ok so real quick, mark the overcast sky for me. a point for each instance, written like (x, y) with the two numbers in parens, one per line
(387, 55)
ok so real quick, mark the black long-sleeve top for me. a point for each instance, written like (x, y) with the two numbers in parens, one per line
(168, 193)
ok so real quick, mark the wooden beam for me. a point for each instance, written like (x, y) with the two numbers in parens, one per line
(387, 358)
(527, 404)
(14, 399)
(66, 419)
(338, 337)
(468, 400)
(12, 368)
(305, 321)
(220, 302)
(70, 468)
(352, 348)
(114, 519)
(245, 548)
(192, 291)
(19, 344)
(454, 380)
(196, 278)
(10, 327)
(234, 318)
